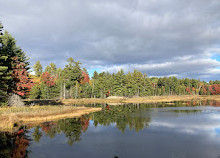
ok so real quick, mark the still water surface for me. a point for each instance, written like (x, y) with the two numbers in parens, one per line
(125, 131)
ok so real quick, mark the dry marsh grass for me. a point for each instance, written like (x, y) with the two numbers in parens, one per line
(150, 99)
(12, 115)
(91, 101)
(154, 99)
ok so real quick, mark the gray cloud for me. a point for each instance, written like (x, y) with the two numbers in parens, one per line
(158, 37)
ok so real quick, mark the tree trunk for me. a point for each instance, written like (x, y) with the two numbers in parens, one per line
(76, 91)
(64, 90)
(92, 90)
(61, 91)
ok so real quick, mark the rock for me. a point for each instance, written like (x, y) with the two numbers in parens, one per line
(15, 101)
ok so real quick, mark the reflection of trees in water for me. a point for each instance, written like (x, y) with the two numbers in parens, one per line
(72, 128)
(14, 145)
(124, 116)
(214, 103)
(131, 116)
(37, 134)
(187, 111)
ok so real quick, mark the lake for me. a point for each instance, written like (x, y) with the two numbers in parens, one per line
(164, 130)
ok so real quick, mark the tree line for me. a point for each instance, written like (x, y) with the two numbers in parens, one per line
(73, 81)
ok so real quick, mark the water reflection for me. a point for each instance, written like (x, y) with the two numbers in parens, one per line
(122, 116)
(14, 145)
(178, 129)
(71, 128)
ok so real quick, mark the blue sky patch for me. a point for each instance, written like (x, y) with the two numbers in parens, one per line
(91, 71)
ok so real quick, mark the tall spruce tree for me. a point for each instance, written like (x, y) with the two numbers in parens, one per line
(4, 75)
(119, 83)
(38, 69)
(14, 67)
(71, 75)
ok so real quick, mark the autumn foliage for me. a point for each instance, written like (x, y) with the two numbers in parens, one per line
(20, 145)
(48, 79)
(20, 76)
(85, 78)
(188, 90)
(214, 89)
(204, 90)
(85, 123)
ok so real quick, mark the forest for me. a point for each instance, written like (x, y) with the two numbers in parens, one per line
(74, 82)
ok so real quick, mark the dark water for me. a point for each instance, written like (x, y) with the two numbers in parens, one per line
(126, 131)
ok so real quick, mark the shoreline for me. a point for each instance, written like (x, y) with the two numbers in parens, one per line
(11, 116)
(150, 99)
(14, 117)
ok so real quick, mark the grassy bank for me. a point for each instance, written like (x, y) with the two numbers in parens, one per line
(150, 99)
(11, 117)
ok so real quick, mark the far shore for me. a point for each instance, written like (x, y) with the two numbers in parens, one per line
(150, 99)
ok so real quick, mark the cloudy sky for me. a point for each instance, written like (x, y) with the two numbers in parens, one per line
(159, 37)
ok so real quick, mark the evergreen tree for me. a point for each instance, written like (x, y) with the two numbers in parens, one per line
(52, 69)
(94, 84)
(95, 75)
(35, 92)
(38, 69)
(129, 82)
(101, 85)
(71, 75)
(4, 74)
(119, 83)
(147, 87)
(14, 67)
(138, 82)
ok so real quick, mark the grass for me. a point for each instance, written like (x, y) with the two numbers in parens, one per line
(12, 116)
(150, 99)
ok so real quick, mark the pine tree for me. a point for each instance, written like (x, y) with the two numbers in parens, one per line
(4, 75)
(71, 75)
(35, 92)
(147, 87)
(138, 82)
(38, 69)
(52, 69)
(94, 84)
(14, 67)
(95, 75)
(119, 83)
(129, 82)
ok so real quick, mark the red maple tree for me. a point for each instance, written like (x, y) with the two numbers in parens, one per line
(85, 78)
(20, 76)
(48, 79)
(188, 90)
(20, 145)
(214, 89)
(85, 123)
